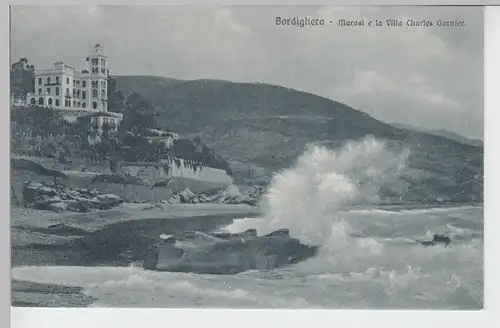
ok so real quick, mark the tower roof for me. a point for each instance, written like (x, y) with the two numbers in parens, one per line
(98, 50)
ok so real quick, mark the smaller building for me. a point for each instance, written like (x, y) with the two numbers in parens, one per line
(166, 137)
(101, 122)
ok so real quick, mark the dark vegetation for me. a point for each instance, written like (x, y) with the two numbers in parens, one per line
(41, 131)
(22, 77)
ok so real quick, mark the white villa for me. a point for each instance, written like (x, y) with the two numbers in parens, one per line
(76, 92)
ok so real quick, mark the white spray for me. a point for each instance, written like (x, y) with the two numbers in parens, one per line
(307, 197)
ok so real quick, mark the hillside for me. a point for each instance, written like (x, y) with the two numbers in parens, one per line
(443, 133)
(261, 128)
(155, 84)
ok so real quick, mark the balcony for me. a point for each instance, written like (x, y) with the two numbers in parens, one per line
(52, 83)
(67, 96)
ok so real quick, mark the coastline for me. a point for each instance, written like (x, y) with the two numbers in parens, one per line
(129, 222)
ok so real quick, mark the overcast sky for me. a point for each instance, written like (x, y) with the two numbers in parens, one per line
(429, 77)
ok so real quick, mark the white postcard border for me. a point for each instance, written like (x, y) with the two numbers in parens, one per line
(151, 318)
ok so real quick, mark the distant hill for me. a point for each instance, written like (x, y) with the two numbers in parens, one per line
(154, 84)
(443, 133)
(262, 128)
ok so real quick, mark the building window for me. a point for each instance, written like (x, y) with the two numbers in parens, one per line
(95, 70)
(50, 101)
(33, 101)
(103, 104)
(94, 104)
(84, 105)
(39, 81)
(74, 103)
(40, 101)
(57, 79)
(103, 84)
(79, 104)
(67, 91)
(57, 91)
(57, 102)
(48, 91)
(48, 80)
(95, 84)
(94, 93)
(103, 70)
(39, 92)
(84, 94)
(103, 93)
(103, 61)
(67, 80)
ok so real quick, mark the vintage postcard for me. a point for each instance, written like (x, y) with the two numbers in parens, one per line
(247, 157)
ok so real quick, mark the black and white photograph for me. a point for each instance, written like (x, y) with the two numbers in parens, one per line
(247, 157)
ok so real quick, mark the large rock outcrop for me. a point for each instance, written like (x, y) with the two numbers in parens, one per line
(58, 198)
(230, 195)
(226, 253)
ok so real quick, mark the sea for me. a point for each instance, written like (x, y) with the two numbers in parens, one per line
(370, 256)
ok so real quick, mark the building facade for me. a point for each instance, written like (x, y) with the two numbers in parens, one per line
(67, 88)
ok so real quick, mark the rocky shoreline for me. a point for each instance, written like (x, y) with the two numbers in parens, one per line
(98, 238)
(251, 195)
(58, 198)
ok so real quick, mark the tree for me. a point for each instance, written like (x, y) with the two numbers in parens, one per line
(116, 100)
(139, 114)
(105, 131)
(22, 77)
(40, 121)
(82, 128)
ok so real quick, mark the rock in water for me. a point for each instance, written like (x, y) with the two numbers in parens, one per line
(438, 239)
(228, 235)
(228, 254)
(167, 250)
(280, 232)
